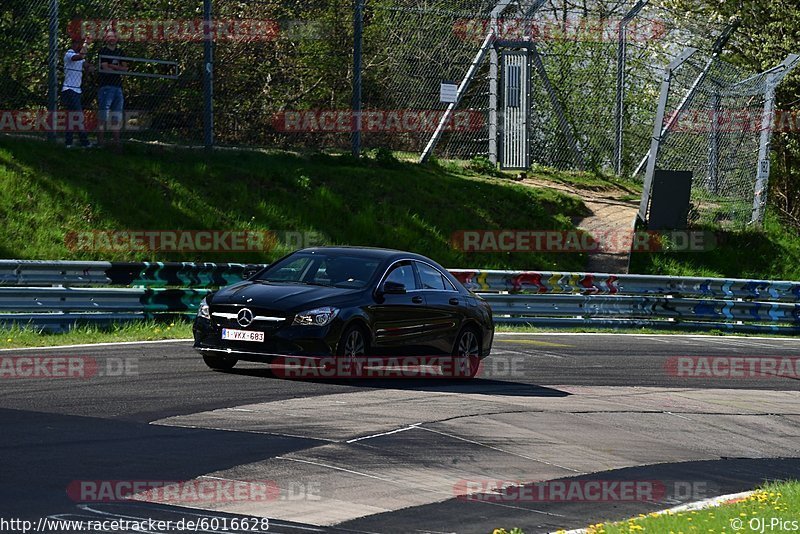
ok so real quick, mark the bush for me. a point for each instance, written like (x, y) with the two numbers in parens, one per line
(482, 165)
(384, 157)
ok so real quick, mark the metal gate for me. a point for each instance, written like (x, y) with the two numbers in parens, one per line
(515, 71)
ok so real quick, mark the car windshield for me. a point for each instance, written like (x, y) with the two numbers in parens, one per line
(325, 269)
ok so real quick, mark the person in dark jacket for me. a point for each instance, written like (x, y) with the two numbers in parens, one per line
(110, 98)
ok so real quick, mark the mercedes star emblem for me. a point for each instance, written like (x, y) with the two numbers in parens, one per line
(244, 317)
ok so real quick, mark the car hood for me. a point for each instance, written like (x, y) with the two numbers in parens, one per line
(288, 297)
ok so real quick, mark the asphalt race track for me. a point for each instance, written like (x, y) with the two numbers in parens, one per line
(548, 412)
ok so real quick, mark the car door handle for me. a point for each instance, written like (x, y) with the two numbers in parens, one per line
(454, 301)
(416, 300)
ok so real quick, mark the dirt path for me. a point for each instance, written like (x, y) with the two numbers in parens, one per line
(609, 216)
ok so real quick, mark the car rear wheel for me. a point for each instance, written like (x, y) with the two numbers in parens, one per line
(219, 363)
(467, 353)
(353, 344)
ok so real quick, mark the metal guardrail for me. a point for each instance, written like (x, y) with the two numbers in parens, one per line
(92, 273)
(551, 299)
(149, 290)
(627, 284)
(538, 298)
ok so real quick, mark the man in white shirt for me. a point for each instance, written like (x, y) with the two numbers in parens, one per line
(74, 65)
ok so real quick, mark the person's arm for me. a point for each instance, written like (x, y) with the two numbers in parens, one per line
(81, 54)
(123, 65)
(110, 66)
(105, 64)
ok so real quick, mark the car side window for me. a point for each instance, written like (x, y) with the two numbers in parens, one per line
(431, 278)
(403, 274)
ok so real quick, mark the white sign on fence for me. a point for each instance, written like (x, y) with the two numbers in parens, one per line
(448, 92)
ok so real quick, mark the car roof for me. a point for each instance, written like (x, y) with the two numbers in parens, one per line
(377, 253)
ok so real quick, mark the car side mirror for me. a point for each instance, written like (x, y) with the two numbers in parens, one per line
(393, 288)
(250, 270)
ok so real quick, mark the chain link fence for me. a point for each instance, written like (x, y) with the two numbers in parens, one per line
(718, 120)
(162, 90)
(267, 57)
(560, 83)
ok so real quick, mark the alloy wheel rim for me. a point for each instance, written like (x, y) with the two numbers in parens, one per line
(468, 345)
(354, 344)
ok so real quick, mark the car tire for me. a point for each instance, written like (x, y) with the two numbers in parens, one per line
(353, 343)
(219, 363)
(467, 353)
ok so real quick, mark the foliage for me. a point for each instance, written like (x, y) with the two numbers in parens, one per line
(481, 164)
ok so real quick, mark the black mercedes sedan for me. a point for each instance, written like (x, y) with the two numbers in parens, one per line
(341, 303)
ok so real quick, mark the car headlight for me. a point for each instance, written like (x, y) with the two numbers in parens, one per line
(316, 317)
(204, 311)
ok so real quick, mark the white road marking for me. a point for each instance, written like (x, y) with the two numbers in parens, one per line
(415, 425)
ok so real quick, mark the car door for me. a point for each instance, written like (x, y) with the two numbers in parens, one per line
(444, 309)
(399, 319)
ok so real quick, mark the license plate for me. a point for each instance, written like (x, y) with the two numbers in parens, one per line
(242, 335)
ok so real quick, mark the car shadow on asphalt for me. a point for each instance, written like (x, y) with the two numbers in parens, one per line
(420, 382)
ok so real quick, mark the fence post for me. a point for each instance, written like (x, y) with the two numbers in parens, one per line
(622, 53)
(52, 63)
(208, 76)
(713, 144)
(358, 38)
(494, 61)
(658, 133)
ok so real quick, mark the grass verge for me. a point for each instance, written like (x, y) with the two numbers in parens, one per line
(17, 337)
(772, 508)
(47, 192)
(772, 253)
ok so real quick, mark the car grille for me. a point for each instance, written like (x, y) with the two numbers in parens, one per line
(265, 320)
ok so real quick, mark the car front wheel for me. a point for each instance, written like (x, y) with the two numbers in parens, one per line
(353, 344)
(467, 354)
